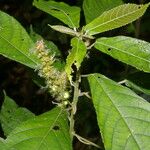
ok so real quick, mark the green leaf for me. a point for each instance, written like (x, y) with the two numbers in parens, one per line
(94, 8)
(11, 115)
(15, 43)
(2, 144)
(114, 18)
(69, 15)
(123, 116)
(65, 30)
(76, 56)
(128, 50)
(48, 131)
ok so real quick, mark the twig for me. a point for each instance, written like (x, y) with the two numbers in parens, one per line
(85, 141)
(122, 82)
(85, 94)
(74, 104)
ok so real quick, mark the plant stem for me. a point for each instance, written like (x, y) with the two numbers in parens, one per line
(85, 141)
(76, 95)
(74, 104)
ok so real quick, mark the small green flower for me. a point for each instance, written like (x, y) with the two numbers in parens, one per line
(56, 81)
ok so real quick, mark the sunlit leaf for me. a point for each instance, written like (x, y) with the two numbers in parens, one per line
(114, 18)
(123, 116)
(48, 131)
(94, 8)
(69, 15)
(128, 50)
(75, 56)
(15, 43)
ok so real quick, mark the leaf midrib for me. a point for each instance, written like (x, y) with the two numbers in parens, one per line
(65, 15)
(52, 125)
(113, 20)
(77, 52)
(123, 51)
(117, 111)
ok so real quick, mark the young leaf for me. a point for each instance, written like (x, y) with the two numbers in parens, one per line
(76, 56)
(136, 87)
(94, 8)
(128, 50)
(69, 15)
(65, 30)
(48, 131)
(15, 42)
(140, 81)
(114, 18)
(11, 115)
(123, 116)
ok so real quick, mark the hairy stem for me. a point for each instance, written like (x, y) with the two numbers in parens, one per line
(74, 104)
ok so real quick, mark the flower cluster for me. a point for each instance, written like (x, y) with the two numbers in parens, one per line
(56, 81)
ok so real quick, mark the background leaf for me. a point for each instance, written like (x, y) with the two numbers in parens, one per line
(76, 55)
(15, 43)
(114, 18)
(48, 131)
(94, 8)
(128, 50)
(69, 15)
(137, 87)
(123, 116)
(11, 115)
(139, 81)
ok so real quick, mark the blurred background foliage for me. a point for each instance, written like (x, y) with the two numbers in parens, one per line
(18, 81)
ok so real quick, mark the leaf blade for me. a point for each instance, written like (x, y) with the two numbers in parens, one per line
(2, 144)
(45, 132)
(15, 42)
(64, 29)
(114, 18)
(76, 56)
(11, 115)
(128, 50)
(97, 8)
(69, 15)
(123, 116)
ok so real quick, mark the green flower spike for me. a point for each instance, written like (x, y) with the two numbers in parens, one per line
(56, 81)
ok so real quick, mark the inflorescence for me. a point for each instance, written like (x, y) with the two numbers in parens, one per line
(56, 81)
